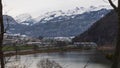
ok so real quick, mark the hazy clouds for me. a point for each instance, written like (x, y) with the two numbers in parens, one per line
(35, 7)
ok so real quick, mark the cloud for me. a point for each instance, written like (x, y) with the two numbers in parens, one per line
(17, 7)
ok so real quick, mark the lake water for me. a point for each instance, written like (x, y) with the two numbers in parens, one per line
(74, 59)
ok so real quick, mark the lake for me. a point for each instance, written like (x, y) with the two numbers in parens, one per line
(74, 59)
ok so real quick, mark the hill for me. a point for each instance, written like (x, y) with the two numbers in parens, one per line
(102, 32)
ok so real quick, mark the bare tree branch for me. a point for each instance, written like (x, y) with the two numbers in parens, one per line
(113, 5)
(7, 59)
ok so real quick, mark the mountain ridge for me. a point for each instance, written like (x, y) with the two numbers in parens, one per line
(103, 32)
(62, 26)
(25, 18)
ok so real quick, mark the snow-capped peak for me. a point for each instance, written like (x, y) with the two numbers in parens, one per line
(93, 8)
(77, 10)
(51, 15)
(23, 17)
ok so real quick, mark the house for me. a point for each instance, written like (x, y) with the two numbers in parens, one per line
(85, 44)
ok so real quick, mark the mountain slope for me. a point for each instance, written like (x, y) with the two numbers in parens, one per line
(54, 26)
(12, 26)
(27, 19)
(24, 19)
(64, 26)
(102, 32)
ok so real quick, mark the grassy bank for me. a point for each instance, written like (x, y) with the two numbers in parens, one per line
(29, 50)
(13, 48)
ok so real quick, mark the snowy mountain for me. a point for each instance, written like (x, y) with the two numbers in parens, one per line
(23, 17)
(26, 19)
(78, 10)
(64, 25)
(58, 23)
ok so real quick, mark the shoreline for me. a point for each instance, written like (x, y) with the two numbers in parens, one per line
(26, 52)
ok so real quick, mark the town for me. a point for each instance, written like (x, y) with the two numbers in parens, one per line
(23, 42)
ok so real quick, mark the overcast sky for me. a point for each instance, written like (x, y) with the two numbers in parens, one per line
(37, 7)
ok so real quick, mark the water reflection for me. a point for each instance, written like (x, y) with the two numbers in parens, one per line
(93, 59)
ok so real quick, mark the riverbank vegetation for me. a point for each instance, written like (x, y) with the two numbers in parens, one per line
(24, 50)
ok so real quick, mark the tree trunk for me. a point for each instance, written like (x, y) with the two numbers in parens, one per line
(116, 59)
(1, 37)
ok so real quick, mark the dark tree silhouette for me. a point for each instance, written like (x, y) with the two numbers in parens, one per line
(1, 37)
(116, 57)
